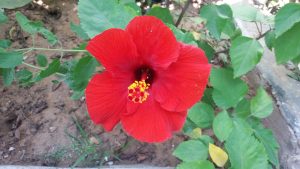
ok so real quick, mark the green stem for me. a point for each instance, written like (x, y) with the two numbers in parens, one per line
(39, 68)
(48, 49)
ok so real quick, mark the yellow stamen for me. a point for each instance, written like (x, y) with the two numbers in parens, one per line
(137, 91)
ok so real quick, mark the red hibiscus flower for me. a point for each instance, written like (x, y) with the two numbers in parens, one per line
(150, 79)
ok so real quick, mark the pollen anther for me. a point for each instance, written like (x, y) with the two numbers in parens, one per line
(137, 91)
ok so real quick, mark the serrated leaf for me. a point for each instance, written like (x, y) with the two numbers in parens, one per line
(41, 60)
(218, 18)
(10, 59)
(261, 105)
(95, 17)
(245, 53)
(161, 13)
(286, 18)
(50, 70)
(34, 27)
(196, 165)
(244, 150)
(247, 12)
(8, 76)
(201, 114)
(242, 109)
(78, 76)
(287, 45)
(191, 150)
(79, 31)
(23, 75)
(222, 126)
(5, 43)
(3, 17)
(227, 90)
(218, 155)
(12, 4)
(270, 39)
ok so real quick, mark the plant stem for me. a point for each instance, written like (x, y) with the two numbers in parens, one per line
(182, 12)
(39, 68)
(262, 35)
(48, 49)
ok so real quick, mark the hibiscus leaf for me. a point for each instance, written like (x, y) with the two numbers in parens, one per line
(12, 4)
(95, 16)
(192, 150)
(244, 150)
(245, 53)
(227, 91)
(219, 19)
(196, 165)
(209, 51)
(242, 109)
(10, 59)
(270, 39)
(202, 115)
(222, 126)
(287, 45)
(3, 17)
(5, 43)
(24, 76)
(53, 67)
(286, 18)
(8, 76)
(262, 104)
(79, 31)
(161, 13)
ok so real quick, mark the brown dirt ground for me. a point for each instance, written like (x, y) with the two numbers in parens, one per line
(35, 121)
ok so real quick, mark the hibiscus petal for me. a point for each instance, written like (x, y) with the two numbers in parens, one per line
(114, 49)
(155, 42)
(183, 83)
(106, 99)
(149, 122)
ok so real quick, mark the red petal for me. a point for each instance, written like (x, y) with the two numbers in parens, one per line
(114, 49)
(106, 99)
(150, 122)
(183, 83)
(155, 42)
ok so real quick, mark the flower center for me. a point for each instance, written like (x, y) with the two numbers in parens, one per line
(138, 90)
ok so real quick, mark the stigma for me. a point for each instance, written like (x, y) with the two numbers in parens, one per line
(138, 91)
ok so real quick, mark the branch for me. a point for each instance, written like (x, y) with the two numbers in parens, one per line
(182, 12)
(262, 35)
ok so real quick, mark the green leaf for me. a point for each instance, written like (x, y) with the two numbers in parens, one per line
(222, 126)
(10, 59)
(242, 110)
(247, 12)
(12, 4)
(79, 31)
(206, 140)
(3, 17)
(5, 43)
(96, 17)
(209, 51)
(262, 104)
(24, 76)
(196, 165)
(78, 76)
(133, 8)
(8, 76)
(161, 13)
(245, 53)
(218, 18)
(191, 150)
(227, 90)
(266, 137)
(34, 27)
(189, 126)
(207, 97)
(77, 95)
(202, 115)
(287, 45)
(185, 37)
(286, 18)
(244, 150)
(50, 70)
(270, 39)
(41, 60)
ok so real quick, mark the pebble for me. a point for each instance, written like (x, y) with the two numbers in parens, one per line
(11, 149)
(5, 156)
(110, 163)
(52, 129)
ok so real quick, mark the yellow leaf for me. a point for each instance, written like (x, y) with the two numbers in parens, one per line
(196, 133)
(218, 156)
